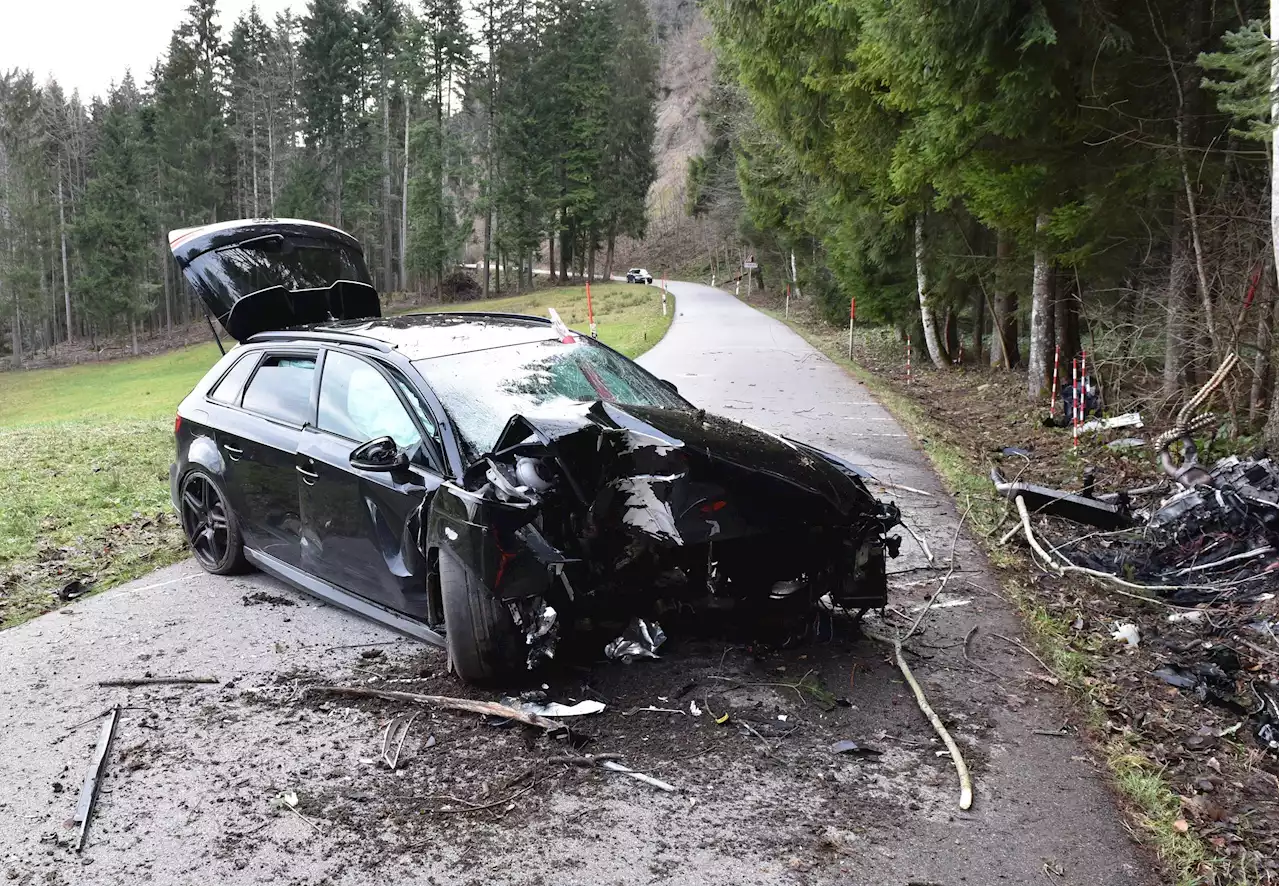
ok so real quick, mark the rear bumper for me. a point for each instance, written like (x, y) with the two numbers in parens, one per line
(173, 485)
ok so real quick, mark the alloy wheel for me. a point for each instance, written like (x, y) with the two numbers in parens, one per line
(204, 519)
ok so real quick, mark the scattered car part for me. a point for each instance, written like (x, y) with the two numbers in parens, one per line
(93, 779)
(1068, 505)
(641, 639)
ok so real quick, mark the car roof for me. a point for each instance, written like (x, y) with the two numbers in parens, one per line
(425, 336)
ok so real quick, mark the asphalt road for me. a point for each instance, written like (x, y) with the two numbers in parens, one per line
(188, 794)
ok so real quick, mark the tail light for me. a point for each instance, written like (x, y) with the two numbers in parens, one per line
(177, 424)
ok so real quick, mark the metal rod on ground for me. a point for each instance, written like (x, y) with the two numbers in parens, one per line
(489, 708)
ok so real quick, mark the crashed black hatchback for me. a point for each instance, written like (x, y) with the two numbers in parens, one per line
(487, 482)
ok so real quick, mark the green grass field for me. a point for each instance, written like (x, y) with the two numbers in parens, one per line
(85, 451)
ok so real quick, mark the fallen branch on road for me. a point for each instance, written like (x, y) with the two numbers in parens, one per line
(154, 681)
(492, 709)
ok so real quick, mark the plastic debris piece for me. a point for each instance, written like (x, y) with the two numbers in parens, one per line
(1127, 443)
(93, 780)
(1016, 450)
(1128, 420)
(694, 709)
(1192, 616)
(1127, 633)
(554, 708)
(847, 746)
(641, 639)
(722, 719)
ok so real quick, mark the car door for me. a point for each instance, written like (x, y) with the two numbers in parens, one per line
(262, 444)
(360, 528)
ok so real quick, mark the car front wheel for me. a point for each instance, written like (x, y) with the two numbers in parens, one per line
(484, 644)
(211, 526)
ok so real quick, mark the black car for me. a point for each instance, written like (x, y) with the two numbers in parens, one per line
(486, 481)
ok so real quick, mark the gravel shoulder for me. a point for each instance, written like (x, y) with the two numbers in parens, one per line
(188, 795)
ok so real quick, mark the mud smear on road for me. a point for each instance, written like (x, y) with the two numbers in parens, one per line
(755, 771)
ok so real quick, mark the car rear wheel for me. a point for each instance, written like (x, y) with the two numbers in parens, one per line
(211, 526)
(484, 644)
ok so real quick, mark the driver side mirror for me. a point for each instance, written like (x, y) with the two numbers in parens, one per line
(379, 454)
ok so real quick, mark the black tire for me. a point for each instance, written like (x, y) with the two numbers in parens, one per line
(210, 525)
(483, 641)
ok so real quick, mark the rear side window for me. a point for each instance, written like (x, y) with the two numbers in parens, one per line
(281, 388)
(229, 388)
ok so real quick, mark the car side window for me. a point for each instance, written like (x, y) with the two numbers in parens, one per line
(281, 388)
(228, 389)
(358, 403)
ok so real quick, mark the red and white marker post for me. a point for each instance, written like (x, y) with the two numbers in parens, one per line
(1075, 403)
(786, 308)
(591, 314)
(664, 295)
(1053, 392)
(908, 358)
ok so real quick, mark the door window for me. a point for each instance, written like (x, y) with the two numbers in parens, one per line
(358, 403)
(281, 388)
(229, 388)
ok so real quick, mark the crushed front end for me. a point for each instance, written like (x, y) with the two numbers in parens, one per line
(604, 513)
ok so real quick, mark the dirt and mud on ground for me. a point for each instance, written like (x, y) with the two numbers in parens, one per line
(1191, 703)
(267, 775)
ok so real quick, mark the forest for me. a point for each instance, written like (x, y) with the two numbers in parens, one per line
(527, 128)
(1000, 177)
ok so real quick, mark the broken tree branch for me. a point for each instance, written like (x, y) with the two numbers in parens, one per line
(966, 783)
(492, 709)
(924, 546)
(154, 681)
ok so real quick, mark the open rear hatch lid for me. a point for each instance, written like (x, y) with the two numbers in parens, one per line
(256, 275)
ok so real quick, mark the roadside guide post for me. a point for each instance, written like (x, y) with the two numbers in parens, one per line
(749, 266)
(591, 316)
(1053, 391)
(1075, 403)
(664, 295)
(853, 310)
(786, 310)
(908, 358)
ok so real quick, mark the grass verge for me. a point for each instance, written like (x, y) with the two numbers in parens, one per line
(85, 451)
(1152, 803)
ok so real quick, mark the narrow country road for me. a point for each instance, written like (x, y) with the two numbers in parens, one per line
(189, 788)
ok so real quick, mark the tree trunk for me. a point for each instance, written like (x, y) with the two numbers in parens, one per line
(1175, 305)
(1038, 364)
(404, 202)
(1066, 316)
(927, 318)
(591, 256)
(387, 236)
(551, 251)
(1004, 321)
(62, 233)
(979, 321)
(608, 255)
(1262, 372)
(133, 333)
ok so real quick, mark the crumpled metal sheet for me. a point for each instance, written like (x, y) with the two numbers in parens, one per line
(641, 639)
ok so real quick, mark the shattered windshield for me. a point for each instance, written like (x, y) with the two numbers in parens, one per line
(273, 260)
(481, 390)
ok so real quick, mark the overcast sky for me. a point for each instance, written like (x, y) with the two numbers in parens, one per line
(89, 44)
